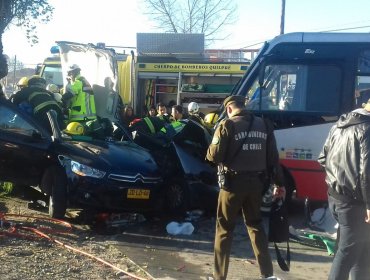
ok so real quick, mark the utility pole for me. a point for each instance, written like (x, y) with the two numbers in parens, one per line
(282, 21)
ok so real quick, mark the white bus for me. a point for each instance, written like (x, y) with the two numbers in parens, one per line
(303, 82)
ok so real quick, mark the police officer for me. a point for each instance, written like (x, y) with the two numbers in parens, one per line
(245, 150)
(79, 97)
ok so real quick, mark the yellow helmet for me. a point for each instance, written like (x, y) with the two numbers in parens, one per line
(75, 128)
(211, 119)
(23, 82)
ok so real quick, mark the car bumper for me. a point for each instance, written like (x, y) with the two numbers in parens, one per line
(115, 196)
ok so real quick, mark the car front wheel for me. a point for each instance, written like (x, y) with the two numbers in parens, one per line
(55, 182)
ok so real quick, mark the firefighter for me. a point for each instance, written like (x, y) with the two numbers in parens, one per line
(22, 83)
(75, 128)
(210, 121)
(79, 97)
(148, 125)
(194, 114)
(37, 100)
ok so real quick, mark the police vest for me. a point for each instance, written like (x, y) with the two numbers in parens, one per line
(41, 99)
(83, 102)
(149, 124)
(247, 150)
(172, 128)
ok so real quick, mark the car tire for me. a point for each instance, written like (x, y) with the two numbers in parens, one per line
(54, 181)
(177, 197)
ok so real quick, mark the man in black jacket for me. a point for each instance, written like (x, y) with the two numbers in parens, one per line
(346, 159)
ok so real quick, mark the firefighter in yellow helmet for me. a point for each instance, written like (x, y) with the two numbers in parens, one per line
(75, 128)
(36, 100)
(79, 97)
(210, 120)
(22, 83)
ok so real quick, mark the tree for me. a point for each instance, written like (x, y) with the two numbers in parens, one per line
(15, 64)
(192, 16)
(25, 13)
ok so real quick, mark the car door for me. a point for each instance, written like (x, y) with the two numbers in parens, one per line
(23, 146)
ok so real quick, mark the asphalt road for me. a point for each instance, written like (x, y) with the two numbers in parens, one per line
(166, 256)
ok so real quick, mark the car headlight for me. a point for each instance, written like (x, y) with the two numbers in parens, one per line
(84, 170)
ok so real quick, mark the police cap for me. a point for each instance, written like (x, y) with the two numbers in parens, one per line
(239, 99)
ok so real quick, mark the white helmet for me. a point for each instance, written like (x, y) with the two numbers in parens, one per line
(52, 88)
(193, 108)
(74, 67)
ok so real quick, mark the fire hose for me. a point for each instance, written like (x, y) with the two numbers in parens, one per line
(14, 229)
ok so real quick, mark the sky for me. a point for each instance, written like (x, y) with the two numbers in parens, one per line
(116, 23)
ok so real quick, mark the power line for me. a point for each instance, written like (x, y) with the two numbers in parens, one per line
(349, 28)
(253, 45)
(332, 30)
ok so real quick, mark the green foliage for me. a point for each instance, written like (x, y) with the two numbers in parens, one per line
(6, 187)
(26, 14)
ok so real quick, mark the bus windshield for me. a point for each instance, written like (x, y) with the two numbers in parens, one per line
(297, 88)
(53, 75)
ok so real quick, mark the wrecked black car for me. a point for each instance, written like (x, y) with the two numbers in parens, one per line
(189, 181)
(107, 175)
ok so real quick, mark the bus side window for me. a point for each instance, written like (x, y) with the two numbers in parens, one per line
(362, 86)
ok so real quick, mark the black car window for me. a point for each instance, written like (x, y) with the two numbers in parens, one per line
(12, 122)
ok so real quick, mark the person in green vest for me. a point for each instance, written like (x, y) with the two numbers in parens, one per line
(79, 97)
(162, 112)
(177, 113)
(148, 125)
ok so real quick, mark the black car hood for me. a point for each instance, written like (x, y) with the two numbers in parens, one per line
(111, 157)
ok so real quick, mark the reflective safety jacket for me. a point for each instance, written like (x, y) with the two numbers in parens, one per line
(148, 125)
(172, 128)
(83, 102)
(37, 98)
(40, 99)
(164, 118)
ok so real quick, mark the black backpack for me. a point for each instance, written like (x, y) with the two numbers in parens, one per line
(279, 231)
